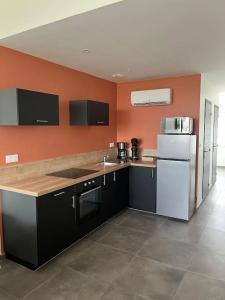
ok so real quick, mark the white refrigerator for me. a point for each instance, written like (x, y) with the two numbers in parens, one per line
(176, 164)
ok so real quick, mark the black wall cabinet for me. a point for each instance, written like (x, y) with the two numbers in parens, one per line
(143, 188)
(88, 112)
(24, 107)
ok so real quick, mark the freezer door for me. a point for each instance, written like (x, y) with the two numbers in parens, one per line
(176, 146)
(173, 188)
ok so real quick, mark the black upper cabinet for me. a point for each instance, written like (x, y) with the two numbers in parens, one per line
(89, 112)
(24, 107)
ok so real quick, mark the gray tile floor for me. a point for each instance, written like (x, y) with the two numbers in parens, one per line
(135, 256)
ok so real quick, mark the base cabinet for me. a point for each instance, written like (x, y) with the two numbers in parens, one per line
(56, 228)
(38, 228)
(115, 193)
(143, 188)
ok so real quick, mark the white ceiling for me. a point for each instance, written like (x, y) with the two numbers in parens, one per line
(18, 16)
(140, 39)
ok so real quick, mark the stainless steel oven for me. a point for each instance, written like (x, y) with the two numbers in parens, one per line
(88, 195)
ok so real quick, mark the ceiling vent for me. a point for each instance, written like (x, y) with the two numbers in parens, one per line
(151, 97)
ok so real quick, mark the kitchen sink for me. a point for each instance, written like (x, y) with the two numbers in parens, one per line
(107, 163)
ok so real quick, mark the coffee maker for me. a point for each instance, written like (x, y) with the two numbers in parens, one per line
(134, 149)
(122, 151)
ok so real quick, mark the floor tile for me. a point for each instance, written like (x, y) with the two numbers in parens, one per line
(143, 222)
(197, 287)
(125, 238)
(214, 239)
(74, 251)
(18, 281)
(69, 285)
(150, 279)
(217, 222)
(208, 262)
(102, 261)
(170, 252)
(119, 217)
(5, 296)
(115, 294)
(101, 231)
(181, 231)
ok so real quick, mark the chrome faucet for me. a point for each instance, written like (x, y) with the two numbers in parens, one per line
(105, 158)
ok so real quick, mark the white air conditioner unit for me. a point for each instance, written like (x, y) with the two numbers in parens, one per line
(151, 97)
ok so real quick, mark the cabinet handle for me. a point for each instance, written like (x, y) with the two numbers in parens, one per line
(114, 176)
(152, 173)
(59, 194)
(73, 204)
(42, 121)
(100, 122)
(104, 180)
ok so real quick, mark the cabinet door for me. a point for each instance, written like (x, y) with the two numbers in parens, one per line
(143, 188)
(98, 113)
(36, 108)
(122, 189)
(56, 222)
(108, 208)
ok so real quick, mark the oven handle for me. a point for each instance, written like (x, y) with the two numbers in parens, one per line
(92, 190)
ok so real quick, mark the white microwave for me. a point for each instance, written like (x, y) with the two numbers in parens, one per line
(177, 125)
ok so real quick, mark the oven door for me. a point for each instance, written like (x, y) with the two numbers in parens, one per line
(89, 204)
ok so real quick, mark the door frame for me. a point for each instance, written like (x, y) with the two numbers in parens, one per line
(203, 165)
(217, 107)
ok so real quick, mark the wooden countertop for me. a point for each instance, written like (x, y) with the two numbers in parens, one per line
(41, 185)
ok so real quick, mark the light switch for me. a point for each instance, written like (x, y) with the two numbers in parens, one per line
(111, 145)
(11, 158)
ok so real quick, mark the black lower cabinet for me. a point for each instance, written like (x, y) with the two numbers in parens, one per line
(122, 189)
(108, 196)
(38, 228)
(56, 228)
(115, 193)
(143, 188)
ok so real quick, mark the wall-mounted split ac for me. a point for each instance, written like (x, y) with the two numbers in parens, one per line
(151, 97)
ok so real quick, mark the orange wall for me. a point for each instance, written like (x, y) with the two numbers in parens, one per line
(144, 122)
(35, 143)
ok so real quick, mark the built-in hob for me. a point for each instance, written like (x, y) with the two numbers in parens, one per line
(72, 173)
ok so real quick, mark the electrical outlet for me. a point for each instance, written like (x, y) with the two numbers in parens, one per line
(111, 145)
(11, 158)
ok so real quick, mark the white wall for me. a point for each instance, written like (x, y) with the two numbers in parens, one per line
(221, 132)
(20, 15)
(207, 92)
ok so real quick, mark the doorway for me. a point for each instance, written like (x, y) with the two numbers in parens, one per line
(207, 148)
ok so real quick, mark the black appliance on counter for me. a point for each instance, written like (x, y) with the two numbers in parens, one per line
(122, 150)
(134, 149)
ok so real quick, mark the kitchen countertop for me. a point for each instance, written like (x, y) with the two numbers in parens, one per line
(41, 185)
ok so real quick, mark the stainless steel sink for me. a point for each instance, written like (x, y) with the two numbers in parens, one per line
(107, 163)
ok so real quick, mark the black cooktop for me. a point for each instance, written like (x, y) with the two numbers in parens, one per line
(72, 173)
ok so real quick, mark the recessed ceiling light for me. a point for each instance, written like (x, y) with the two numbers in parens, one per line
(85, 51)
(117, 75)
